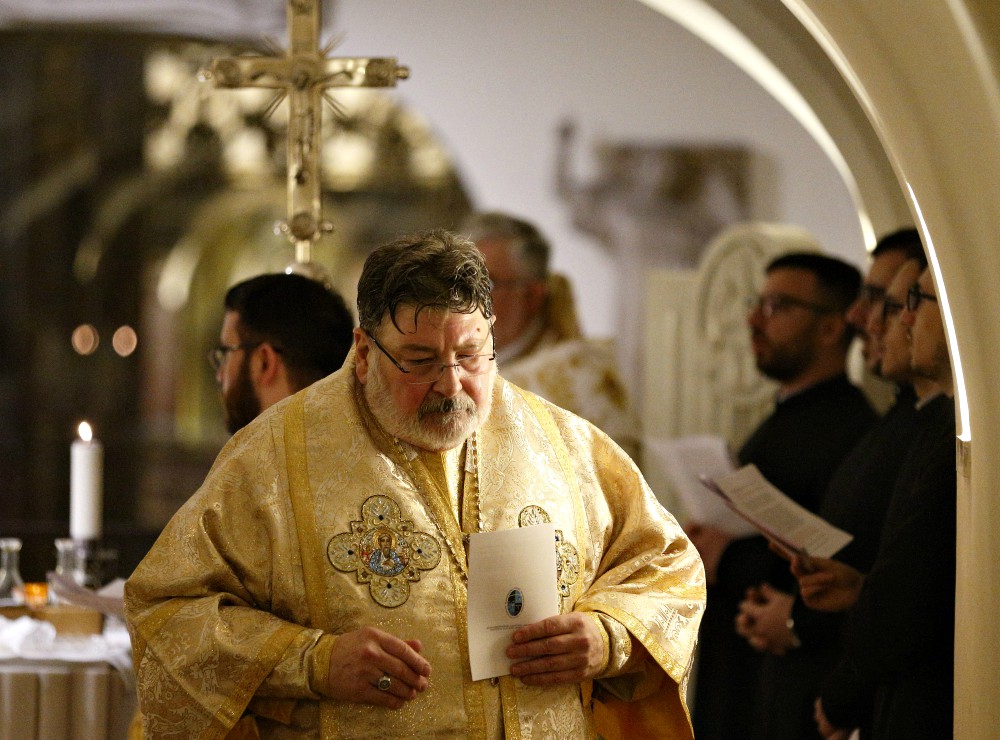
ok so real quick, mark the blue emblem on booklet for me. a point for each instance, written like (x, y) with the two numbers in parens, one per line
(515, 602)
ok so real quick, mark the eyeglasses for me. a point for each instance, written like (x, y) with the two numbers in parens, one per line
(914, 296)
(217, 355)
(768, 305)
(890, 307)
(424, 372)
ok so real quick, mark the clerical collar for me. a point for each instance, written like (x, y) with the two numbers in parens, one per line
(781, 397)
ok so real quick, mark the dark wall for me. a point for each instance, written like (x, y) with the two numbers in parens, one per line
(74, 119)
(71, 123)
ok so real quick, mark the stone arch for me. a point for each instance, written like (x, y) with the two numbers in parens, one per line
(927, 77)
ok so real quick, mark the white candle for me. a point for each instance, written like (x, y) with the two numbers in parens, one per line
(86, 486)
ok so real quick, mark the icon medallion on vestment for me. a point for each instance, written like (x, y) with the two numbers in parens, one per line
(384, 551)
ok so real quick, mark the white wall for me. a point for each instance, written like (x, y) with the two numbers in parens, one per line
(496, 79)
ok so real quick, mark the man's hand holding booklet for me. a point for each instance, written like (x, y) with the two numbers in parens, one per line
(791, 529)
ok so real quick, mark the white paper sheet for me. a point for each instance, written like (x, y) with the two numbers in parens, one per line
(683, 461)
(512, 582)
(777, 517)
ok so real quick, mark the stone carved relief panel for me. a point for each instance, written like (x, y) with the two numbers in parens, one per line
(653, 206)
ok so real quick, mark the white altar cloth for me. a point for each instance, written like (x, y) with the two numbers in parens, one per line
(54, 687)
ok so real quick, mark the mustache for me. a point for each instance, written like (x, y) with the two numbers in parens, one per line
(447, 406)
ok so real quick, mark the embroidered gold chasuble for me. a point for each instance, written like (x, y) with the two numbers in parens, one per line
(579, 374)
(313, 522)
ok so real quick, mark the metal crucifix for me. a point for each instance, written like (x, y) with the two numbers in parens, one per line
(304, 74)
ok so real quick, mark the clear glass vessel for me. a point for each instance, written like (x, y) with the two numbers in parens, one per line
(11, 584)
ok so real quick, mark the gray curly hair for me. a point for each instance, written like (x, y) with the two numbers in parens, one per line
(431, 269)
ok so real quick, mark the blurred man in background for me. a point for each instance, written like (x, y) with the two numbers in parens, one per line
(280, 333)
(539, 343)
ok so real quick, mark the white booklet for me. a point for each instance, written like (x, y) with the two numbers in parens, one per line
(684, 461)
(788, 525)
(512, 582)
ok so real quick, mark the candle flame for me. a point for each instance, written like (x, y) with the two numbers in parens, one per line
(86, 433)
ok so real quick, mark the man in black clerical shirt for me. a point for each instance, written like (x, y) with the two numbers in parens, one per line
(800, 336)
(899, 632)
(802, 645)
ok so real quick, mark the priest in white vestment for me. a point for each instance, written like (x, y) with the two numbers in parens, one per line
(539, 343)
(316, 584)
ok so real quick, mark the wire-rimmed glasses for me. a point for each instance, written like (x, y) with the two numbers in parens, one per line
(217, 355)
(772, 303)
(425, 372)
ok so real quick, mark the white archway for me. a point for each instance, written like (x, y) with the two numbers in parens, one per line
(927, 74)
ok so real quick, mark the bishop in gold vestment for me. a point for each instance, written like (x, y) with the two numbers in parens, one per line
(315, 523)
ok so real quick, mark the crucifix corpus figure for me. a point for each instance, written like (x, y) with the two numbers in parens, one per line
(304, 74)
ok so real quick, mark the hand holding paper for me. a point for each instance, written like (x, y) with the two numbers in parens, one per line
(793, 529)
(682, 460)
(512, 584)
(829, 585)
(567, 648)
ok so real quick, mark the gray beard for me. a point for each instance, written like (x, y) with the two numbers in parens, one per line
(439, 424)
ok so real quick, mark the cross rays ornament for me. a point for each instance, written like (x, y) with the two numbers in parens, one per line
(304, 75)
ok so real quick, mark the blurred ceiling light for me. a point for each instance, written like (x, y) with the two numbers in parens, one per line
(246, 154)
(85, 339)
(165, 75)
(124, 340)
(347, 160)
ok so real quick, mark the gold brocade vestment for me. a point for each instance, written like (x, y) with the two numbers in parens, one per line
(314, 523)
(580, 375)
(555, 361)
